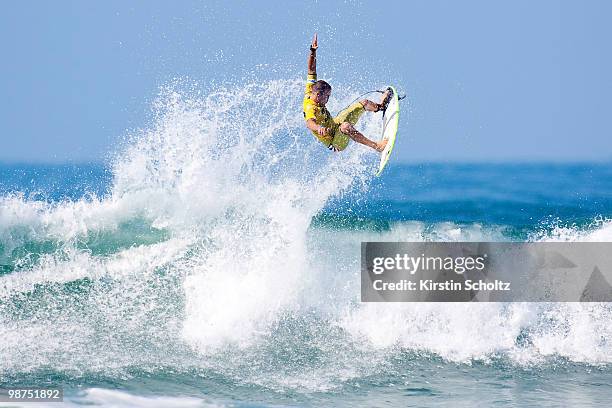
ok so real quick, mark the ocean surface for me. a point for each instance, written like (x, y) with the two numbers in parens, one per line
(213, 260)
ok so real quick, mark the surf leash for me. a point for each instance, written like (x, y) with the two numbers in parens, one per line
(399, 98)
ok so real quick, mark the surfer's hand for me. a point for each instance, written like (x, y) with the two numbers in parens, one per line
(380, 146)
(314, 45)
(323, 131)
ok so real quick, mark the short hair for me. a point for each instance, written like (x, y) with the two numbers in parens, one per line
(321, 86)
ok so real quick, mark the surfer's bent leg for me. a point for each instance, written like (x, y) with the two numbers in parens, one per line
(346, 120)
(348, 129)
(370, 106)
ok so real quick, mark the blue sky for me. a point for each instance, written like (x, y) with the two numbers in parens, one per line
(487, 81)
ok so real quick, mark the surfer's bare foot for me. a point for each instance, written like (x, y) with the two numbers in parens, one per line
(386, 98)
(380, 146)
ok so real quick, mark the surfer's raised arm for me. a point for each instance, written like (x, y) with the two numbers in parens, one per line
(312, 58)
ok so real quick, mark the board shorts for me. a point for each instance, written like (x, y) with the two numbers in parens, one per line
(350, 115)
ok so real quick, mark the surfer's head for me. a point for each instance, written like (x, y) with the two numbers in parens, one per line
(320, 92)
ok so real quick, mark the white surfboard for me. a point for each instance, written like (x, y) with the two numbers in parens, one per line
(389, 132)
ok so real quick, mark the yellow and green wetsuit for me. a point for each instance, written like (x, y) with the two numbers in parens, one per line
(323, 118)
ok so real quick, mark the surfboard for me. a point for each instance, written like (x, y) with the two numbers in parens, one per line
(389, 132)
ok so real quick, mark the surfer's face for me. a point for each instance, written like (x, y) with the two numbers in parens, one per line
(321, 97)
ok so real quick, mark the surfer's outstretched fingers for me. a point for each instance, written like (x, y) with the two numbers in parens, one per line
(369, 105)
(347, 128)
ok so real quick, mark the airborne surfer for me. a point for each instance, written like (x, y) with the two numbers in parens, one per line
(334, 132)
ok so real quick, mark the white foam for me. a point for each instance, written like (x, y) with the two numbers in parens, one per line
(226, 175)
(599, 231)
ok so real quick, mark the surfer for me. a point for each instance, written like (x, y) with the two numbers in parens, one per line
(335, 132)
